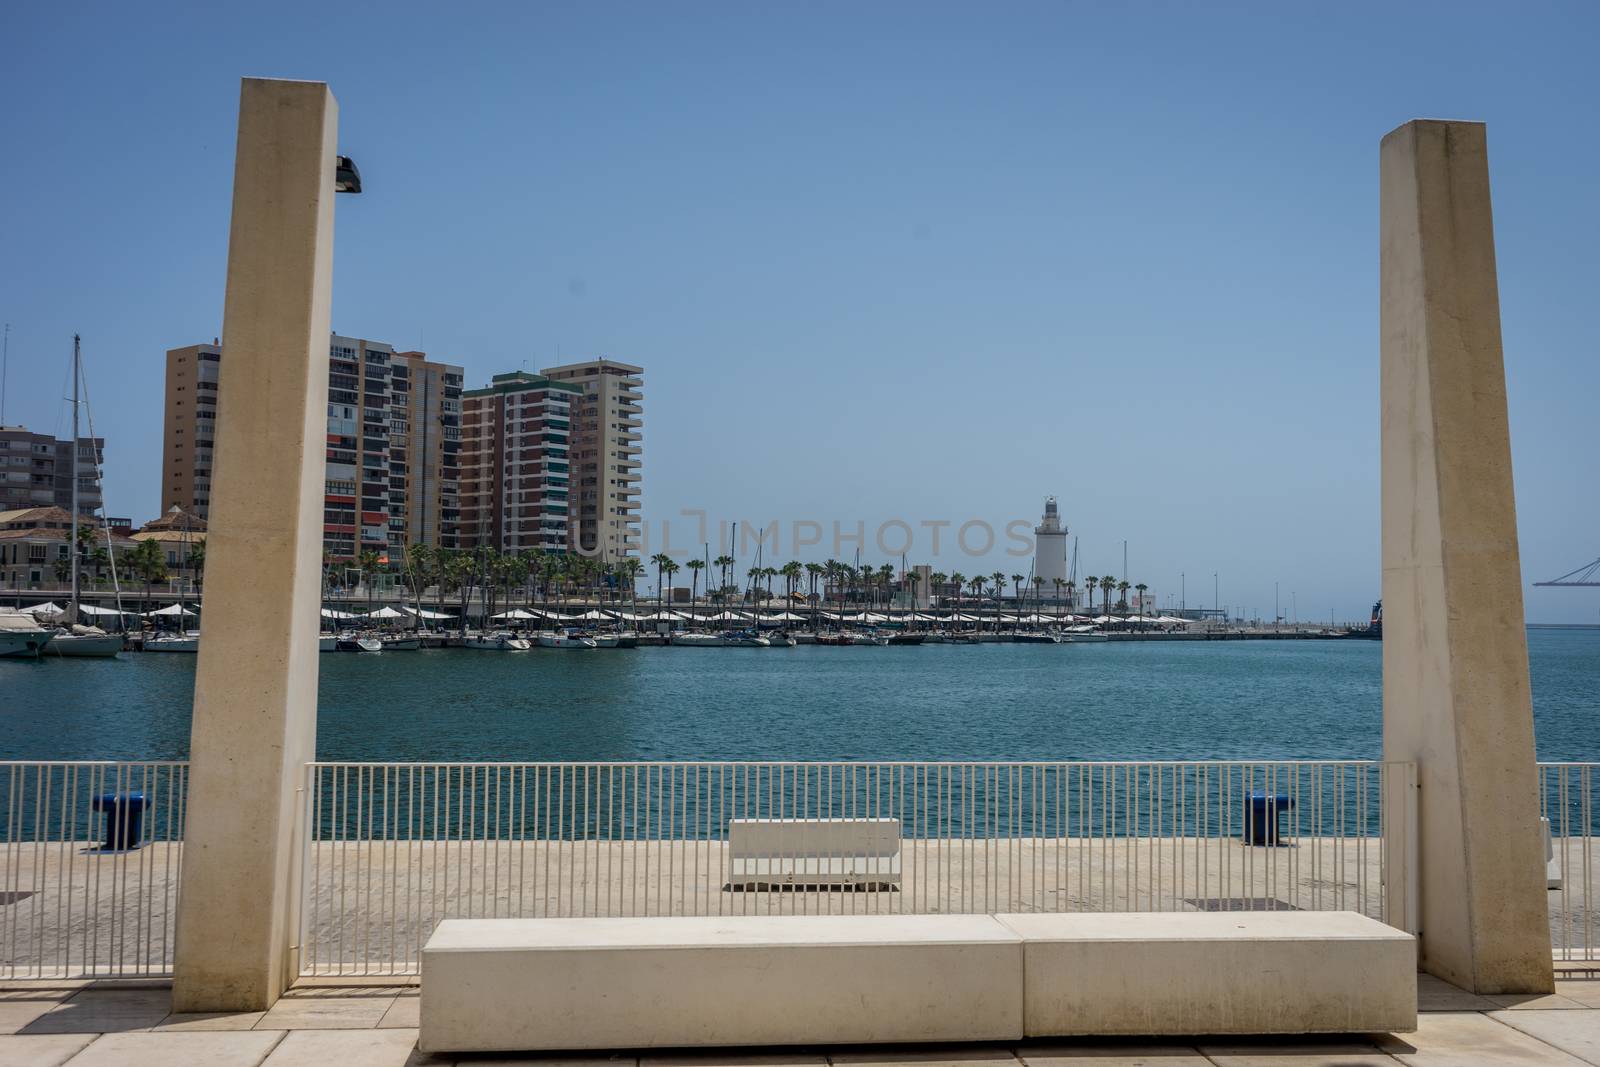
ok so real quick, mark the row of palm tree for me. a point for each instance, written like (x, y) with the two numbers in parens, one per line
(500, 577)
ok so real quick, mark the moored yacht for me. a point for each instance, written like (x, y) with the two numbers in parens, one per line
(498, 641)
(697, 640)
(181, 641)
(21, 636)
(83, 641)
(568, 639)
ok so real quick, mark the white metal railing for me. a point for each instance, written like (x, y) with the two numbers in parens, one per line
(1571, 806)
(391, 849)
(69, 905)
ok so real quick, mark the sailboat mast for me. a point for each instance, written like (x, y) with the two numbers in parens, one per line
(72, 547)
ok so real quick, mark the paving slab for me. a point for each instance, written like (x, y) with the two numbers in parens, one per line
(40, 1050)
(1435, 994)
(1535, 1002)
(930, 1056)
(502, 1060)
(1302, 1052)
(327, 1013)
(1455, 1039)
(210, 1020)
(215, 1049)
(1577, 1032)
(1125, 1054)
(347, 1048)
(799, 1058)
(104, 1011)
(17, 1012)
(404, 1012)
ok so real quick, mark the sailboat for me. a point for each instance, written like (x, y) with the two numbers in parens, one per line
(73, 639)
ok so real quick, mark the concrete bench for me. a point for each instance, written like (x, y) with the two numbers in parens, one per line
(1215, 973)
(861, 853)
(559, 984)
(548, 984)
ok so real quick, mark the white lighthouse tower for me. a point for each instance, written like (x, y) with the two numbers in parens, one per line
(1050, 549)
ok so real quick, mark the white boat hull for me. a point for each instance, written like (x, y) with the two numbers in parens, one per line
(565, 642)
(99, 645)
(22, 644)
(186, 643)
(698, 640)
(497, 643)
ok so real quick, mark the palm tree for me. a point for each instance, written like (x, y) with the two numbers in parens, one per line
(722, 563)
(197, 564)
(1107, 584)
(660, 559)
(936, 581)
(670, 568)
(149, 562)
(1122, 594)
(695, 567)
(912, 580)
(368, 562)
(1059, 583)
(1038, 591)
(1016, 586)
(791, 572)
(958, 579)
(1089, 584)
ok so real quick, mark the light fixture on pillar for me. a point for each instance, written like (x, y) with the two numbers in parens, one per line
(346, 178)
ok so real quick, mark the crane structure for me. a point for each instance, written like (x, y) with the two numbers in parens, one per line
(1586, 575)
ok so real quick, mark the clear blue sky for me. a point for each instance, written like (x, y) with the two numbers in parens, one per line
(917, 261)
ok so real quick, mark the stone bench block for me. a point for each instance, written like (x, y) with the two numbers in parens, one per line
(1215, 973)
(548, 984)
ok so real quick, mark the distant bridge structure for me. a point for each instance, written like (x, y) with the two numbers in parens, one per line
(1587, 575)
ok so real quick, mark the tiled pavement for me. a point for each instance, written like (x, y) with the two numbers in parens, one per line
(84, 1024)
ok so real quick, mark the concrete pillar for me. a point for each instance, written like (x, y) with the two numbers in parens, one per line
(255, 703)
(1456, 698)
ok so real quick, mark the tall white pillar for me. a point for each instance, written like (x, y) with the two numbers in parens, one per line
(255, 703)
(1456, 698)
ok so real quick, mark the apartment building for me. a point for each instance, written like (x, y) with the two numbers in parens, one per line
(390, 418)
(515, 463)
(603, 509)
(36, 471)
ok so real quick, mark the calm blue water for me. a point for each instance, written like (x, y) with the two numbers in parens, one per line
(1245, 699)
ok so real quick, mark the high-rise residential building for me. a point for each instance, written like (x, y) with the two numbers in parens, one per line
(515, 464)
(379, 427)
(36, 471)
(430, 456)
(191, 428)
(603, 515)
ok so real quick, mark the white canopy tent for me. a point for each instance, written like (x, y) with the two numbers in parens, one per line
(170, 609)
(91, 609)
(514, 613)
(46, 608)
(727, 616)
(784, 616)
(335, 613)
(593, 615)
(384, 613)
(424, 613)
(557, 616)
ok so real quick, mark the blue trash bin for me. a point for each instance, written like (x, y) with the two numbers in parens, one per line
(1261, 821)
(124, 820)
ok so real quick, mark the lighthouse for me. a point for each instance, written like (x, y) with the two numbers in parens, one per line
(1050, 549)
